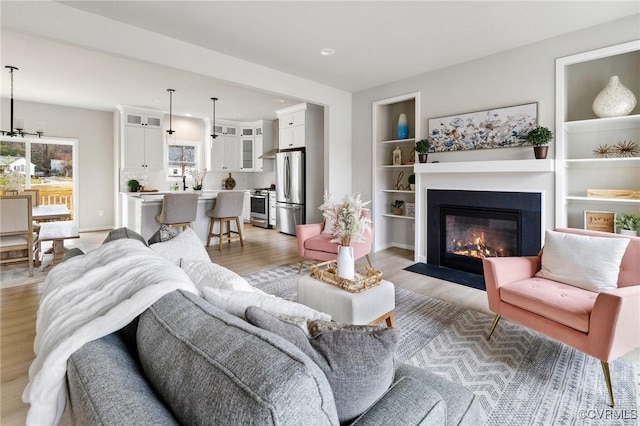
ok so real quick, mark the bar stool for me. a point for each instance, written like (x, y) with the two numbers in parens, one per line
(178, 210)
(228, 208)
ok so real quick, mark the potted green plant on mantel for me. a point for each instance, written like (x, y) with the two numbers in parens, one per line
(628, 224)
(422, 148)
(539, 137)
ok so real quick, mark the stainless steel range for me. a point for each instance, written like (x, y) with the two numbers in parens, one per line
(260, 208)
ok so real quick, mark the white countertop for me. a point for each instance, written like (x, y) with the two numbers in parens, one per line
(206, 194)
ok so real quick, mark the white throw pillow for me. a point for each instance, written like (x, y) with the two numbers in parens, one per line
(186, 245)
(208, 274)
(591, 263)
(237, 302)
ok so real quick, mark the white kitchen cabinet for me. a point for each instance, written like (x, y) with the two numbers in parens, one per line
(272, 208)
(246, 154)
(226, 149)
(299, 125)
(141, 141)
(246, 207)
(258, 150)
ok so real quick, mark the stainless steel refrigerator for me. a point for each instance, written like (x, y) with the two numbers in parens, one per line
(289, 191)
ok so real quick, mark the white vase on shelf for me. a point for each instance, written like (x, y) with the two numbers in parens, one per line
(615, 100)
(346, 262)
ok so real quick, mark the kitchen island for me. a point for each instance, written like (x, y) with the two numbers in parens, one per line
(139, 211)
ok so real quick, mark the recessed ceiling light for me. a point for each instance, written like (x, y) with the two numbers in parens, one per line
(188, 115)
(327, 52)
(280, 101)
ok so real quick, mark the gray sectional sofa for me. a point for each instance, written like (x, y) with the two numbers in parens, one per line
(185, 361)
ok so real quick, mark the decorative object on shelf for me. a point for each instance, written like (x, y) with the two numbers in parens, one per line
(615, 100)
(600, 221)
(213, 126)
(632, 194)
(364, 279)
(17, 127)
(396, 207)
(12, 182)
(198, 178)
(422, 148)
(628, 224)
(539, 137)
(495, 128)
(134, 185)
(626, 149)
(410, 209)
(229, 183)
(170, 132)
(399, 186)
(349, 225)
(403, 127)
(412, 182)
(412, 157)
(604, 151)
(396, 157)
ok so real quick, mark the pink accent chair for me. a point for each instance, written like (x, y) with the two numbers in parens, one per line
(313, 243)
(604, 325)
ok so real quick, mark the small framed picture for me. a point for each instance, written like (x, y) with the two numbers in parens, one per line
(600, 221)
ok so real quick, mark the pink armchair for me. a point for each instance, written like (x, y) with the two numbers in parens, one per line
(605, 325)
(314, 244)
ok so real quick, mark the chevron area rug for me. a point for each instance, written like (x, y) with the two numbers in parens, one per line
(520, 377)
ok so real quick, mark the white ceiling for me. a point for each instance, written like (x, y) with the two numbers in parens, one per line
(376, 42)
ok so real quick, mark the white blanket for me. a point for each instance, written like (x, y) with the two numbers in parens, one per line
(85, 298)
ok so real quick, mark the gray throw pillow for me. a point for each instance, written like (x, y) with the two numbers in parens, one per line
(164, 233)
(358, 361)
(121, 233)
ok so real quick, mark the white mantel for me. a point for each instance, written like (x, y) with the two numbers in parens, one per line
(504, 175)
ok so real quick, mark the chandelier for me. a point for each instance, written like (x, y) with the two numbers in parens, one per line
(18, 130)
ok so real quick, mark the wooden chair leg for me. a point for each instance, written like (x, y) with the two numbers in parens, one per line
(493, 326)
(607, 380)
(220, 234)
(240, 232)
(210, 234)
(301, 265)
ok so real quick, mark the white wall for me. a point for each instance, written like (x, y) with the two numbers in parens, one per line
(513, 77)
(94, 132)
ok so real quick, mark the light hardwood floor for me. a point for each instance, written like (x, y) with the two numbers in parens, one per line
(262, 249)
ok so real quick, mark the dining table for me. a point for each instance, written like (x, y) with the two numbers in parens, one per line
(50, 212)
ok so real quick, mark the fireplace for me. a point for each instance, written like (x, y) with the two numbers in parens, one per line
(463, 227)
(471, 234)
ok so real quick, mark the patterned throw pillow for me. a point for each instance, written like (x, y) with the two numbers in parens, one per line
(164, 233)
(358, 361)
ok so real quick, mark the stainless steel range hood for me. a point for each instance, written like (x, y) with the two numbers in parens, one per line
(271, 154)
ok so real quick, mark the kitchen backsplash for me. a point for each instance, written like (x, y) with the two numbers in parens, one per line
(158, 179)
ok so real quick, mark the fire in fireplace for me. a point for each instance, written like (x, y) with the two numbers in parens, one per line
(471, 234)
(464, 226)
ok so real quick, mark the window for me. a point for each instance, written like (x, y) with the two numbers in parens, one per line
(183, 158)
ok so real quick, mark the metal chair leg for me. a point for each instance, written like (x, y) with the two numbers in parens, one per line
(301, 265)
(368, 260)
(493, 326)
(607, 379)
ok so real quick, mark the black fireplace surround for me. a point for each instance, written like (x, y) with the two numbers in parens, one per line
(523, 208)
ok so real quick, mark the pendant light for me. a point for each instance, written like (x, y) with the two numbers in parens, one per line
(170, 132)
(213, 126)
(18, 131)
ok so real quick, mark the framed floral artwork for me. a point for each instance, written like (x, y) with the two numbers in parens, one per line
(493, 128)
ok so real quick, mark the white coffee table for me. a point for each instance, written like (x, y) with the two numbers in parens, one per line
(370, 307)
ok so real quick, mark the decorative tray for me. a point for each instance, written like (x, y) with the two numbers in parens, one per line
(365, 277)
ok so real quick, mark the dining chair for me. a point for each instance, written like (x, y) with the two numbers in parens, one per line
(178, 210)
(227, 209)
(18, 242)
